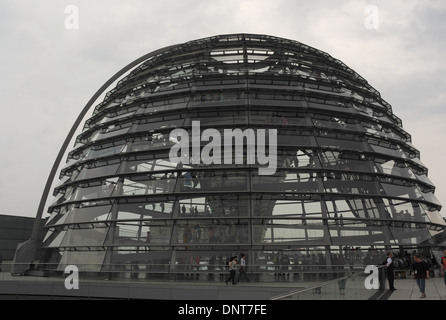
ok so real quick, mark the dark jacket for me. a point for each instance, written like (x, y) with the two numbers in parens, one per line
(420, 269)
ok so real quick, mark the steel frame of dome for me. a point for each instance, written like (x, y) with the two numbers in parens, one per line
(347, 174)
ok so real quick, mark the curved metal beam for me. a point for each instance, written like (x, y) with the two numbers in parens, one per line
(76, 124)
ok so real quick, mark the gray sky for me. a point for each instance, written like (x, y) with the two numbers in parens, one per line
(49, 72)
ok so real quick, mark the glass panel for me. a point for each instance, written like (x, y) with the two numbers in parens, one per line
(90, 173)
(62, 181)
(330, 122)
(111, 132)
(295, 139)
(356, 233)
(320, 107)
(286, 181)
(298, 159)
(85, 260)
(143, 233)
(359, 210)
(344, 161)
(92, 154)
(298, 208)
(47, 235)
(377, 129)
(284, 208)
(402, 191)
(57, 240)
(403, 210)
(394, 168)
(340, 210)
(215, 260)
(150, 142)
(90, 214)
(276, 118)
(57, 214)
(436, 217)
(119, 114)
(389, 151)
(218, 117)
(163, 164)
(430, 197)
(226, 205)
(212, 181)
(137, 211)
(157, 107)
(409, 236)
(219, 97)
(147, 184)
(100, 190)
(208, 232)
(342, 144)
(289, 231)
(61, 197)
(166, 124)
(425, 179)
(349, 183)
(84, 237)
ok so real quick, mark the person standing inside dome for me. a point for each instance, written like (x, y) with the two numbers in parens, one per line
(421, 273)
(389, 270)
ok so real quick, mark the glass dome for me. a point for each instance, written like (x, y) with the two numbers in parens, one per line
(346, 181)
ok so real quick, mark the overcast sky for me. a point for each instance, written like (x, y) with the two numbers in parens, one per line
(52, 64)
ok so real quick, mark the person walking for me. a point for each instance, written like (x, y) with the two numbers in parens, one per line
(232, 266)
(421, 273)
(443, 266)
(389, 270)
(242, 270)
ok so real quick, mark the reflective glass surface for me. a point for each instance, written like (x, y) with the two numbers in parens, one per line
(347, 177)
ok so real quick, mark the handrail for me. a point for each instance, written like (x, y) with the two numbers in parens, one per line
(299, 291)
(285, 295)
(278, 270)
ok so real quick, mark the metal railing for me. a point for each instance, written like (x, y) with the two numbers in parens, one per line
(303, 281)
(349, 287)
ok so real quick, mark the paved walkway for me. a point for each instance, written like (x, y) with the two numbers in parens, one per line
(407, 289)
